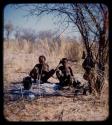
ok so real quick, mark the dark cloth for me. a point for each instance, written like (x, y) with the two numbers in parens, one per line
(64, 75)
(27, 83)
(41, 71)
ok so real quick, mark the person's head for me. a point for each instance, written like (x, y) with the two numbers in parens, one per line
(64, 61)
(42, 59)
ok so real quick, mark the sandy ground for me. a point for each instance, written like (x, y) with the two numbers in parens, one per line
(81, 108)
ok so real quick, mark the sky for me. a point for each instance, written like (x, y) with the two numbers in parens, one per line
(46, 22)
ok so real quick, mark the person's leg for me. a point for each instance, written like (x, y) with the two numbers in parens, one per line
(71, 81)
(90, 88)
(68, 81)
(61, 82)
(48, 75)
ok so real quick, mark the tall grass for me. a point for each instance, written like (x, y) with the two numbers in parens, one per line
(64, 49)
(21, 56)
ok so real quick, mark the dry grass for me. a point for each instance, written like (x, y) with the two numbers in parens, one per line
(19, 59)
(22, 57)
(57, 109)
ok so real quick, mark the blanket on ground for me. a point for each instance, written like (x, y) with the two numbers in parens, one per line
(47, 89)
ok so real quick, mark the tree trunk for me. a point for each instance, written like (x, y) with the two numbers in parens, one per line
(97, 74)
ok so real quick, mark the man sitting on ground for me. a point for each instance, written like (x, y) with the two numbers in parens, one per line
(41, 71)
(64, 73)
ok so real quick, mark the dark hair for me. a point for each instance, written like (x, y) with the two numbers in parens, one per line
(42, 56)
(63, 59)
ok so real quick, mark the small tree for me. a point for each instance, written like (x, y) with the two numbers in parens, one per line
(45, 34)
(8, 29)
(17, 33)
(28, 35)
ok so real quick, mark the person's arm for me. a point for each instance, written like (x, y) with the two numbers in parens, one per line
(71, 72)
(58, 74)
(33, 71)
(72, 76)
(46, 68)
